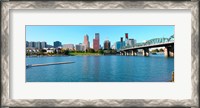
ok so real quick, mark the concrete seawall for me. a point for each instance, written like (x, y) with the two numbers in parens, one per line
(47, 64)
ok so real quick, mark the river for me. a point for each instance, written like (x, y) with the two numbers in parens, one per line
(112, 68)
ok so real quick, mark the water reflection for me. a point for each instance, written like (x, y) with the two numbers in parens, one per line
(96, 67)
(102, 69)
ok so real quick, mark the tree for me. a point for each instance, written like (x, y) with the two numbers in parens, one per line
(28, 53)
(161, 50)
(62, 51)
(113, 51)
(157, 50)
(154, 51)
(55, 52)
(91, 50)
(66, 52)
(100, 51)
(43, 50)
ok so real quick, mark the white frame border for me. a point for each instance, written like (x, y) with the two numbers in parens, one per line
(6, 6)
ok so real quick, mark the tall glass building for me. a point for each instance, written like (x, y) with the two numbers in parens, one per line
(57, 44)
(119, 45)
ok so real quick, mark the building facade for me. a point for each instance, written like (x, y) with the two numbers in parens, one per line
(80, 47)
(86, 41)
(27, 43)
(38, 45)
(119, 45)
(107, 45)
(131, 42)
(31, 44)
(43, 45)
(68, 46)
(57, 44)
(96, 42)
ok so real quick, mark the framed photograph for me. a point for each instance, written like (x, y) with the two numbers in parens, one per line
(100, 53)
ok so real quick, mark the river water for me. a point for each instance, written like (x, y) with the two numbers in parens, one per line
(114, 68)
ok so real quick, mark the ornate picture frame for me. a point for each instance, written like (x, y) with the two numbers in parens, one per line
(5, 78)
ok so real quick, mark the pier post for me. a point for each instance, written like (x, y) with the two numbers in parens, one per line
(169, 51)
(134, 52)
(145, 52)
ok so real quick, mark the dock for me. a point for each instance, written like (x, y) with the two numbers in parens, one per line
(47, 64)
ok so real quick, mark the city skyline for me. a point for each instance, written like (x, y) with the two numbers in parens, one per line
(64, 34)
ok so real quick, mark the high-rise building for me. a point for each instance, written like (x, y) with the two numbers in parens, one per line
(86, 41)
(77, 47)
(121, 39)
(96, 35)
(126, 39)
(31, 44)
(38, 45)
(68, 46)
(96, 42)
(119, 45)
(43, 45)
(130, 42)
(106, 45)
(126, 35)
(57, 44)
(135, 42)
(27, 43)
(80, 47)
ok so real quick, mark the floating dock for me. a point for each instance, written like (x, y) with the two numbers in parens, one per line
(47, 64)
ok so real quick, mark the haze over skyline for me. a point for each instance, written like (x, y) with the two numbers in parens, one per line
(75, 34)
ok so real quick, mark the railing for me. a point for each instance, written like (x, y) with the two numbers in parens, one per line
(155, 41)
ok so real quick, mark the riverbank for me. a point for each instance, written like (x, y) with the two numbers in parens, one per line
(71, 54)
(85, 54)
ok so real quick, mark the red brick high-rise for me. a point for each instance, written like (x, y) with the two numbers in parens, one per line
(86, 41)
(96, 42)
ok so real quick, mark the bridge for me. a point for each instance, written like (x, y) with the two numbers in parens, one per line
(168, 43)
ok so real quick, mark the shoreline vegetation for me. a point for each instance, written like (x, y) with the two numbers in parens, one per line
(72, 53)
(88, 52)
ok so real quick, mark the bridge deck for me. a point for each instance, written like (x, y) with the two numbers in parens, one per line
(149, 46)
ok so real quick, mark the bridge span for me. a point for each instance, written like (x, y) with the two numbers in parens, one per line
(167, 43)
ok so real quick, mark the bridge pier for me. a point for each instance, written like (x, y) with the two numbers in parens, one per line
(121, 53)
(134, 52)
(127, 53)
(169, 51)
(130, 52)
(145, 52)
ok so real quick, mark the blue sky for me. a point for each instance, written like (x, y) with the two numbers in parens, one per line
(75, 34)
